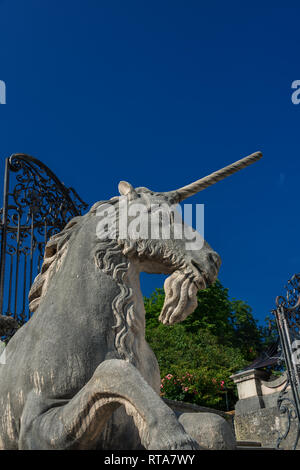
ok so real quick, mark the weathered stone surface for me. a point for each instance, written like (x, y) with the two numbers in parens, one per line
(183, 407)
(211, 431)
(257, 417)
(265, 424)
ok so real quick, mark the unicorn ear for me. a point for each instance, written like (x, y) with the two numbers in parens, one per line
(126, 189)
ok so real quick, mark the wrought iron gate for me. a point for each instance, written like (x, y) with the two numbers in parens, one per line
(36, 205)
(287, 314)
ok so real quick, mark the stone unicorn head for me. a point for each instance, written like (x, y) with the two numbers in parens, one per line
(190, 269)
(167, 252)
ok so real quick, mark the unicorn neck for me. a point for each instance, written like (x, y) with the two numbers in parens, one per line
(128, 307)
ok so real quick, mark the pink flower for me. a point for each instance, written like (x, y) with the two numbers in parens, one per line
(169, 376)
(186, 389)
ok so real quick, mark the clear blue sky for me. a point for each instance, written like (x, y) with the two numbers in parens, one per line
(161, 93)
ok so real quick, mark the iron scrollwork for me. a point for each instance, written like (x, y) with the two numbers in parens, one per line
(287, 314)
(36, 206)
(39, 193)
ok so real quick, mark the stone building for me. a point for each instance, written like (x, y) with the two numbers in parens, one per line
(257, 414)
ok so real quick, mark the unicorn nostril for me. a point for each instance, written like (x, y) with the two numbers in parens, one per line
(214, 258)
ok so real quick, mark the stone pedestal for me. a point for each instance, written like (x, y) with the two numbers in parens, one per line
(257, 417)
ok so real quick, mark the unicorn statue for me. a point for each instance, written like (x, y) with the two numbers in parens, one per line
(80, 374)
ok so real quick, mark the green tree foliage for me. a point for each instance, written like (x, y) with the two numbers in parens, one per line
(197, 356)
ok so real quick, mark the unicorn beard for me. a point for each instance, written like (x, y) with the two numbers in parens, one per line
(180, 287)
(180, 299)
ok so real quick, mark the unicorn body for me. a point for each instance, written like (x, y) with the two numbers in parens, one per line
(80, 374)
